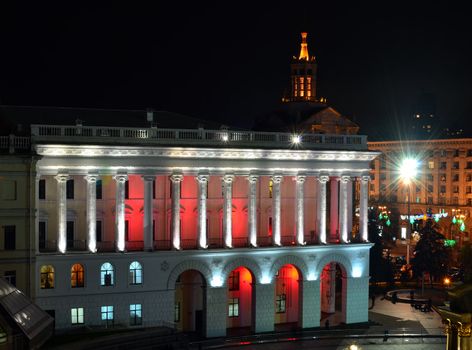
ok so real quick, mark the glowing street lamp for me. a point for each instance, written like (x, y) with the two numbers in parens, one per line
(408, 171)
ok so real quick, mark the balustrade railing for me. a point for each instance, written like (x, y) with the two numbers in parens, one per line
(223, 138)
(14, 143)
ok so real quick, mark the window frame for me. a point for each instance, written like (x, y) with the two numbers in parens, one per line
(233, 307)
(77, 277)
(79, 315)
(104, 271)
(47, 276)
(135, 273)
(135, 320)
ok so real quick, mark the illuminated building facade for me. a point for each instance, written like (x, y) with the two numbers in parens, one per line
(444, 182)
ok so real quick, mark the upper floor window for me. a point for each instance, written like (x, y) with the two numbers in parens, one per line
(455, 165)
(430, 177)
(456, 153)
(455, 177)
(443, 165)
(469, 153)
(106, 274)
(127, 189)
(233, 280)
(47, 277)
(70, 189)
(99, 189)
(9, 237)
(42, 189)
(469, 165)
(135, 273)
(77, 276)
(271, 188)
(431, 164)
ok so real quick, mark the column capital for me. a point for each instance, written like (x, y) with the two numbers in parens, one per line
(276, 178)
(91, 178)
(202, 178)
(148, 177)
(300, 178)
(121, 178)
(365, 178)
(345, 179)
(253, 178)
(62, 177)
(323, 179)
(228, 178)
(176, 178)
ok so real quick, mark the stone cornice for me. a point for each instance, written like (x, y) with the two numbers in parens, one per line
(202, 153)
(419, 143)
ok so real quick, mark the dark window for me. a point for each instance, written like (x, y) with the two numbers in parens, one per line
(70, 189)
(98, 186)
(70, 234)
(126, 230)
(233, 280)
(42, 189)
(469, 153)
(309, 72)
(153, 228)
(99, 230)
(10, 237)
(154, 189)
(10, 277)
(127, 189)
(42, 234)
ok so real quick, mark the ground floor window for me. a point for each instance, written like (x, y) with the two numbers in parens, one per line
(107, 314)
(233, 307)
(177, 312)
(280, 303)
(77, 315)
(135, 316)
(10, 277)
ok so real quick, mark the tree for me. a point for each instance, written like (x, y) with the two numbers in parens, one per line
(380, 267)
(465, 259)
(430, 255)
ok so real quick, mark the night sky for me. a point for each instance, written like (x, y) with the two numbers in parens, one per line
(229, 61)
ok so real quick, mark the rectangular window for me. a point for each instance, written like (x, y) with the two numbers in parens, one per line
(469, 153)
(271, 188)
(469, 165)
(233, 280)
(77, 315)
(98, 230)
(42, 235)
(430, 177)
(430, 200)
(70, 234)
(154, 189)
(270, 227)
(126, 230)
(8, 190)
(455, 189)
(177, 312)
(127, 189)
(9, 237)
(469, 201)
(455, 200)
(42, 189)
(443, 165)
(468, 189)
(135, 317)
(455, 165)
(280, 303)
(443, 189)
(431, 164)
(98, 187)
(443, 177)
(430, 188)
(107, 314)
(10, 277)
(70, 189)
(233, 307)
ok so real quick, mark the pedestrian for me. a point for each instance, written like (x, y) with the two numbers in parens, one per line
(394, 297)
(327, 324)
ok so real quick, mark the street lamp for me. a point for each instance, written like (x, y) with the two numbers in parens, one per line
(408, 171)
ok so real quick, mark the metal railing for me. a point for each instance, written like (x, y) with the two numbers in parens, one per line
(222, 138)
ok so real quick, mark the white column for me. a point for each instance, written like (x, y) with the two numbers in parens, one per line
(91, 212)
(202, 210)
(61, 212)
(300, 209)
(148, 237)
(176, 180)
(343, 208)
(228, 210)
(276, 219)
(120, 212)
(363, 208)
(252, 210)
(323, 179)
(333, 209)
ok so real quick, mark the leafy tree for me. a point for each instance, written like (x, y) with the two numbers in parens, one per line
(380, 267)
(430, 255)
(465, 258)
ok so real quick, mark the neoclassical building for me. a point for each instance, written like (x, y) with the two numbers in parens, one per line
(202, 229)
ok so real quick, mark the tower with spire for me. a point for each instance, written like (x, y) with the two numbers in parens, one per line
(303, 75)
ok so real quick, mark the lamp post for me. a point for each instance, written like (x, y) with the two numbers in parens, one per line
(408, 171)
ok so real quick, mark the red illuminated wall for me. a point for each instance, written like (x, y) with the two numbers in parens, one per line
(245, 300)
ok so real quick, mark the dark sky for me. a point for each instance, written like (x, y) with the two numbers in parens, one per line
(229, 61)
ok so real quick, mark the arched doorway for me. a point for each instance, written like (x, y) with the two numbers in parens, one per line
(333, 294)
(240, 301)
(190, 302)
(287, 297)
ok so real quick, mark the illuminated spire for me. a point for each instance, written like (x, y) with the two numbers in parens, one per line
(304, 48)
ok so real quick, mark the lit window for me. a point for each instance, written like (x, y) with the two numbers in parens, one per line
(47, 277)
(135, 317)
(77, 315)
(177, 312)
(280, 303)
(107, 314)
(233, 307)
(77, 276)
(135, 273)
(431, 164)
(271, 188)
(233, 280)
(106, 274)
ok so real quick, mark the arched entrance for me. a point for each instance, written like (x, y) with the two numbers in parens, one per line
(190, 302)
(333, 294)
(287, 297)
(240, 301)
